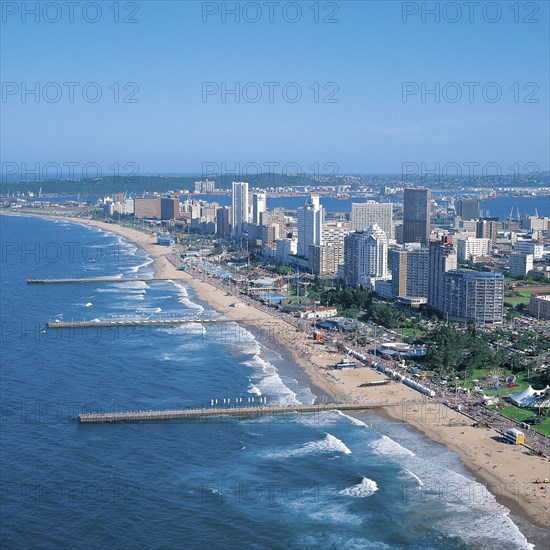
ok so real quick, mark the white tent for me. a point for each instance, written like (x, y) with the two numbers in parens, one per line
(532, 398)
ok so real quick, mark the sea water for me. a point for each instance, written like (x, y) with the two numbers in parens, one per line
(294, 481)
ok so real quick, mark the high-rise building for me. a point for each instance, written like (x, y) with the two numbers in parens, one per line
(410, 271)
(366, 214)
(399, 269)
(335, 232)
(474, 295)
(467, 209)
(534, 223)
(520, 264)
(310, 225)
(327, 256)
(442, 258)
(169, 208)
(258, 207)
(239, 206)
(530, 247)
(324, 259)
(223, 225)
(147, 208)
(206, 186)
(285, 249)
(472, 247)
(275, 217)
(416, 216)
(366, 257)
(129, 206)
(539, 306)
(487, 229)
(418, 271)
(269, 233)
(353, 244)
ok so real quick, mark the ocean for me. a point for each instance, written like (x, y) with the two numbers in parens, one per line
(295, 481)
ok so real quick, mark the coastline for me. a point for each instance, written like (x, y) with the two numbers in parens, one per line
(507, 471)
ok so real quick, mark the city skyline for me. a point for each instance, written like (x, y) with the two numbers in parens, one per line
(272, 270)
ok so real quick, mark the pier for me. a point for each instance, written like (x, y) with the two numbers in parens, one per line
(141, 322)
(240, 412)
(100, 280)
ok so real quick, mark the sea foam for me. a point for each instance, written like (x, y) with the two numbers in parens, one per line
(329, 444)
(366, 488)
(389, 447)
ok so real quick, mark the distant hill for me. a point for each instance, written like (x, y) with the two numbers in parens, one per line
(137, 185)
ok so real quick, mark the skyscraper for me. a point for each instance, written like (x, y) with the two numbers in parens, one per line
(258, 206)
(399, 268)
(410, 272)
(467, 209)
(274, 217)
(487, 229)
(366, 257)
(223, 227)
(416, 216)
(442, 258)
(474, 295)
(310, 225)
(324, 259)
(169, 208)
(366, 214)
(239, 206)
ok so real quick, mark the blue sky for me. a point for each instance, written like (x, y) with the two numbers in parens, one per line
(368, 54)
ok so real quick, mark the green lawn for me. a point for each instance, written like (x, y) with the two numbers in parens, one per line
(522, 381)
(520, 415)
(523, 297)
(508, 410)
(515, 300)
(410, 332)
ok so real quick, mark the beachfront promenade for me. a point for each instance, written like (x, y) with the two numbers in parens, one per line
(246, 412)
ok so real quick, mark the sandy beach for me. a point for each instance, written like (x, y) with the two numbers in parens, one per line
(507, 471)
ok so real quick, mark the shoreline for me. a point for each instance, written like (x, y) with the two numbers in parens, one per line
(510, 479)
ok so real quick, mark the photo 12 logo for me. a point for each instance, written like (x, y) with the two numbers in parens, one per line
(68, 171)
(48, 333)
(472, 170)
(50, 412)
(69, 12)
(469, 92)
(73, 492)
(469, 12)
(270, 12)
(69, 92)
(269, 92)
(266, 492)
(252, 171)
